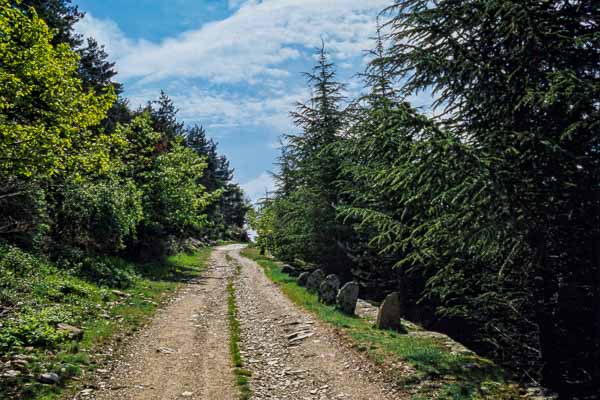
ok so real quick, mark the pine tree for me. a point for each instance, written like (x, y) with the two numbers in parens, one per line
(59, 15)
(95, 70)
(164, 120)
(518, 80)
(306, 216)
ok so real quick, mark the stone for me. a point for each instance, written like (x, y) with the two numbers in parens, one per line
(347, 297)
(314, 280)
(288, 269)
(11, 373)
(49, 378)
(72, 331)
(303, 278)
(328, 289)
(390, 313)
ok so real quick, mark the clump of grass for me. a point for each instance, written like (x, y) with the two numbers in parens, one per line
(241, 375)
(458, 376)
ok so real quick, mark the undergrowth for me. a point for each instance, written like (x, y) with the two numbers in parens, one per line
(437, 372)
(36, 295)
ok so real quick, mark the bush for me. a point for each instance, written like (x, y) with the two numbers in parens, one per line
(102, 270)
(100, 216)
(18, 273)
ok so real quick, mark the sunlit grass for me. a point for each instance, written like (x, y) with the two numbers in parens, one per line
(460, 376)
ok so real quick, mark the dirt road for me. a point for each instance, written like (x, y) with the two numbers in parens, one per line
(184, 352)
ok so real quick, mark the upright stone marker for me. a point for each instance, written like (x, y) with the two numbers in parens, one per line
(347, 298)
(314, 280)
(390, 313)
(328, 289)
(303, 278)
(291, 271)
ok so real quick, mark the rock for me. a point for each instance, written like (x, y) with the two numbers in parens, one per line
(328, 289)
(347, 297)
(314, 280)
(190, 245)
(49, 378)
(165, 350)
(19, 364)
(11, 373)
(390, 313)
(119, 293)
(303, 278)
(288, 269)
(72, 331)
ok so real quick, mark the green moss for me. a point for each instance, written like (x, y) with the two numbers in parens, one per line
(458, 375)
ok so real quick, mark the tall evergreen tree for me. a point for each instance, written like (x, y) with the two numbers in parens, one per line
(519, 80)
(59, 15)
(95, 70)
(308, 212)
(164, 118)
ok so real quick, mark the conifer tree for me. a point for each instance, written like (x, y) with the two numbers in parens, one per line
(518, 80)
(59, 15)
(307, 213)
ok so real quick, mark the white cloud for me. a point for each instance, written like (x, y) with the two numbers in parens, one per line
(254, 41)
(256, 188)
(108, 33)
(215, 109)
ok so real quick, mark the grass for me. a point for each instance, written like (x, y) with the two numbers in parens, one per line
(106, 315)
(241, 374)
(437, 372)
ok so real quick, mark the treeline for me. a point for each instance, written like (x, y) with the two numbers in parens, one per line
(483, 211)
(81, 173)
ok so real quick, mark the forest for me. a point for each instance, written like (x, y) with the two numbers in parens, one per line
(90, 187)
(483, 211)
(83, 173)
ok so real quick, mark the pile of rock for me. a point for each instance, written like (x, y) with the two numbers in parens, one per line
(327, 287)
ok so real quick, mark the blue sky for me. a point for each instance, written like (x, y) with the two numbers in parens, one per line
(233, 66)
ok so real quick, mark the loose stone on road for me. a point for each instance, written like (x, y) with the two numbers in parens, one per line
(184, 352)
(292, 355)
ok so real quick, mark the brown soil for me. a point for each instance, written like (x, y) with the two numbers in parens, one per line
(184, 352)
(294, 356)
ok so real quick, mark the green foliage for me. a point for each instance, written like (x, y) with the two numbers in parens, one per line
(100, 216)
(36, 295)
(488, 208)
(305, 224)
(44, 114)
(60, 15)
(226, 216)
(173, 201)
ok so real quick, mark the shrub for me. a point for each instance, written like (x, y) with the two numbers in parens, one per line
(100, 216)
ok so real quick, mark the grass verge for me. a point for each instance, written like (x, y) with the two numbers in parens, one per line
(32, 344)
(437, 373)
(241, 374)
